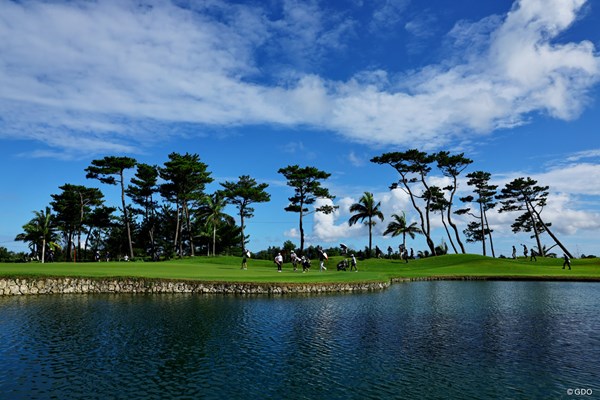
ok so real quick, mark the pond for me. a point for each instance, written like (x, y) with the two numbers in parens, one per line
(476, 340)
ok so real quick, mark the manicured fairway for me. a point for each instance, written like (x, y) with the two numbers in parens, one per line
(227, 269)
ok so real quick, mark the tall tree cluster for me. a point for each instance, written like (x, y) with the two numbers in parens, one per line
(414, 167)
(521, 195)
(165, 210)
(478, 230)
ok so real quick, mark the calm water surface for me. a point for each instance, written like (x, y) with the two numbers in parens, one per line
(468, 340)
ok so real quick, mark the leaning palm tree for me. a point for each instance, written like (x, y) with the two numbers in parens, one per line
(399, 227)
(211, 212)
(39, 232)
(366, 209)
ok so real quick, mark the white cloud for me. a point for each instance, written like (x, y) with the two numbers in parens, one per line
(356, 160)
(332, 227)
(565, 219)
(292, 233)
(519, 71)
(104, 71)
(593, 153)
(578, 179)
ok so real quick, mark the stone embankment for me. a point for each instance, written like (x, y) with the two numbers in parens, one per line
(37, 286)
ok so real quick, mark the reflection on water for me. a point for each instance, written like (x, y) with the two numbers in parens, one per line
(420, 340)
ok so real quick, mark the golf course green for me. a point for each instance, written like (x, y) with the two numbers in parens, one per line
(227, 269)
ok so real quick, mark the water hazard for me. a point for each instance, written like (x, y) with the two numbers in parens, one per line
(476, 340)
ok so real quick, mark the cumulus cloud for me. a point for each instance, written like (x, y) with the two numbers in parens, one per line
(578, 179)
(108, 70)
(332, 227)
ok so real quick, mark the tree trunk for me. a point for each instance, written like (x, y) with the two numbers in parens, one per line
(452, 224)
(559, 244)
(487, 225)
(482, 223)
(149, 218)
(152, 243)
(175, 241)
(370, 238)
(189, 229)
(126, 217)
(87, 240)
(301, 235)
(421, 217)
(69, 243)
(243, 237)
(448, 233)
(301, 228)
(531, 212)
(214, 239)
(43, 249)
(81, 204)
(427, 220)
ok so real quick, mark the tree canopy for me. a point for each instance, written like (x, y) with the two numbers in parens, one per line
(306, 182)
(242, 193)
(523, 194)
(109, 170)
(185, 179)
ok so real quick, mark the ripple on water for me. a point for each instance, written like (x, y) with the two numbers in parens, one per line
(420, 340)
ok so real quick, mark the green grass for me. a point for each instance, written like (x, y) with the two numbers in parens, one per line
(227, 269)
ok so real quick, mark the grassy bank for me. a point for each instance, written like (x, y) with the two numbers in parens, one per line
(227, 269)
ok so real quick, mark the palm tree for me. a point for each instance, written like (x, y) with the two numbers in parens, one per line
(211, 212)
(40, 229)
(399, 227)
(366, 209)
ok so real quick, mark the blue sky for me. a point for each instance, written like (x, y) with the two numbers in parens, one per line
(255, 86)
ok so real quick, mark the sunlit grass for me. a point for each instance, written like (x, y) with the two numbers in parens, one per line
(227, 269)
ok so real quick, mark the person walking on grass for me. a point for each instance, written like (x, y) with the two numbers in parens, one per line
(405, 256)
(295, 260)
(322, 258)
(353, 263)
(533, 255)
(245, 258)
(567, 262)
(279, 261)
(524, 251)
(305, 264)
(514, 253)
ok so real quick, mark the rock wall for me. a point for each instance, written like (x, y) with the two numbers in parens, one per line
(36, 286)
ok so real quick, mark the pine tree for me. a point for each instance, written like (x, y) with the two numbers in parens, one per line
(306, 182)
